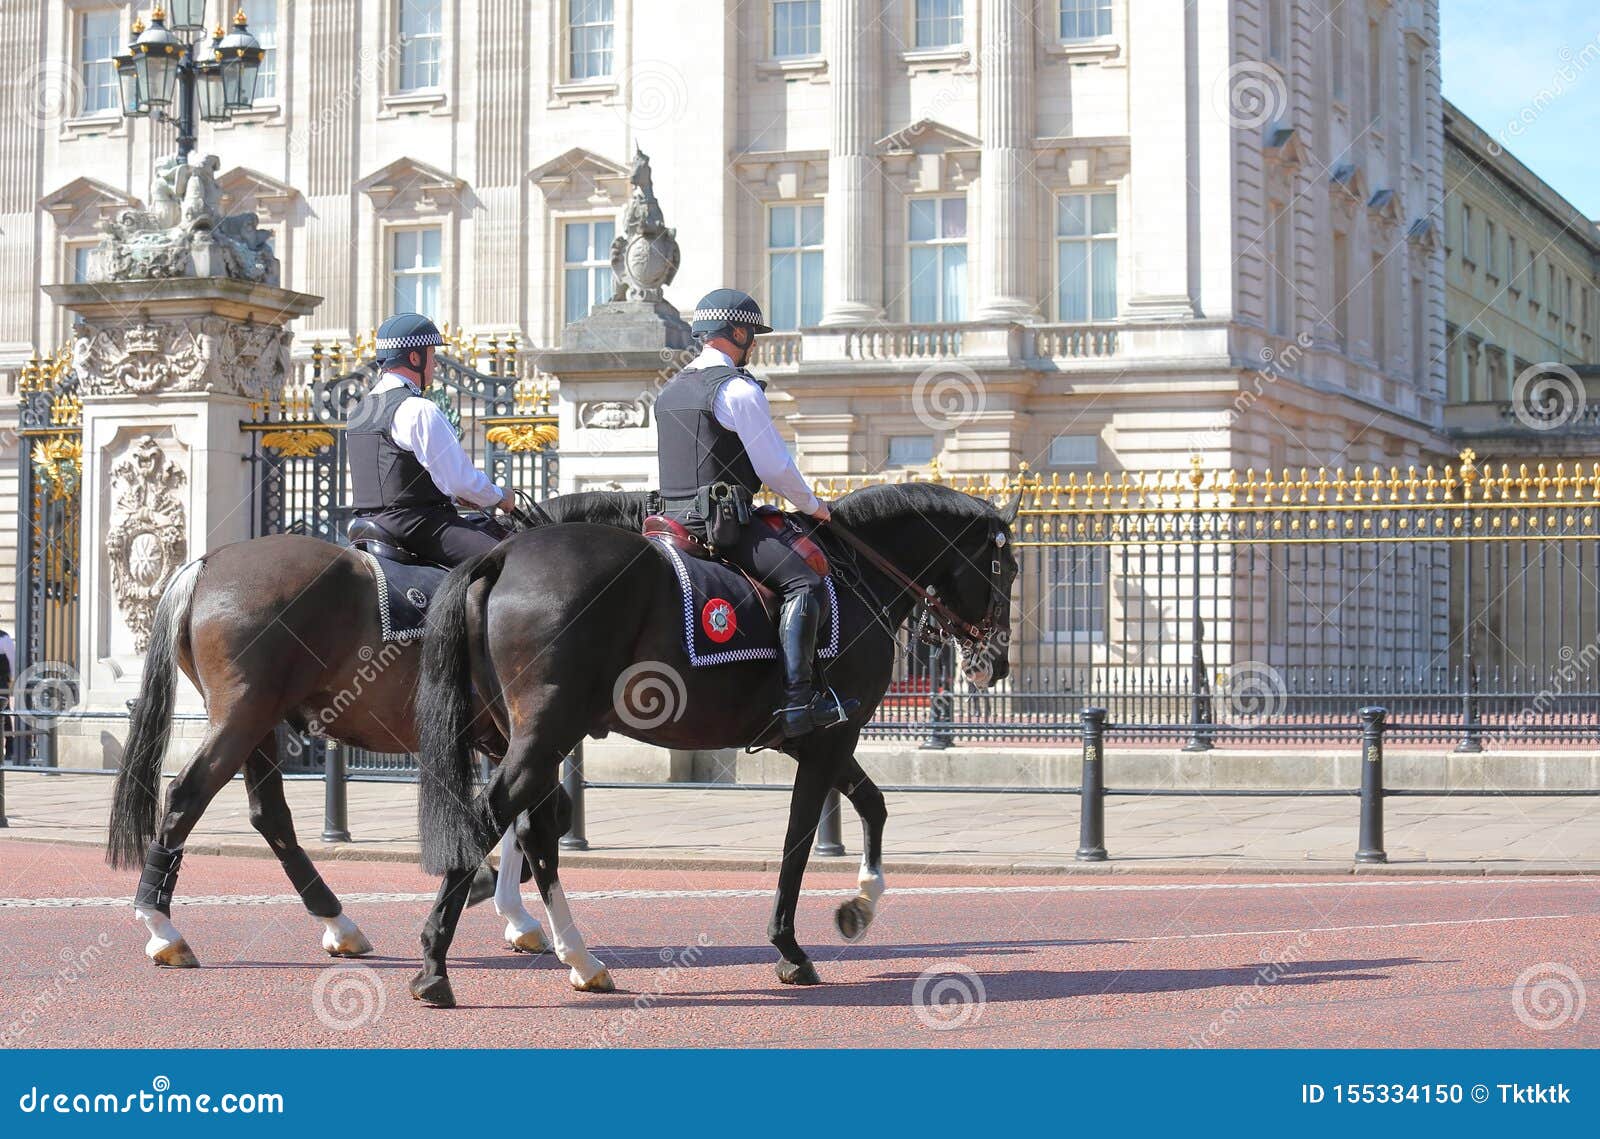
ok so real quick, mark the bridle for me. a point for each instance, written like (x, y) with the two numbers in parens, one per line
(940, 622)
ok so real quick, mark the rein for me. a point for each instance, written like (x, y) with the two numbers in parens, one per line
(947, 618)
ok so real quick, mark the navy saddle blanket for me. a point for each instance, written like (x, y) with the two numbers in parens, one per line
(403, 596)
(725, 618)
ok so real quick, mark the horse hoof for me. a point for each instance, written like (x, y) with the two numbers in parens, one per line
(853, 918)
(351, 944)
(432, 991)
(528, 941)
(174, 955)
(601, 982)
(804, 973)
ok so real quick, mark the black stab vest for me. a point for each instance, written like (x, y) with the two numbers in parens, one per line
(385, 476)
(694, 450)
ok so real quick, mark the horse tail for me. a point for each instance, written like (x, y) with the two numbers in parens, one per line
(446, 814)
(137, 795)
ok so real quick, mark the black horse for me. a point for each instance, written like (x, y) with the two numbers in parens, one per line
(576, 630)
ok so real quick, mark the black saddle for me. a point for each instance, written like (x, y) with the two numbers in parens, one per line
(372, 536)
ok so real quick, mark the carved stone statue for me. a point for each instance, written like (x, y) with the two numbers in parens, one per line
(644, 257)
(183, 233)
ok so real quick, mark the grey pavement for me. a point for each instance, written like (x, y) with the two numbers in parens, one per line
(664, 826)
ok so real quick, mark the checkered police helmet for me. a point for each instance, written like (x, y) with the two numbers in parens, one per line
(722, 309)
(403, 334)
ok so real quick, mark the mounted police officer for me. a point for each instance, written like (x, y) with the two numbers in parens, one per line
(717, 444)
(406, 463)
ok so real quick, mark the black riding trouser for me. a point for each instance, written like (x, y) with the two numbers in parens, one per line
(439, 534)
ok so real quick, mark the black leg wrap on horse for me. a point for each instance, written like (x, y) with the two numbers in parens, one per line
(307, 882)
(159, 877)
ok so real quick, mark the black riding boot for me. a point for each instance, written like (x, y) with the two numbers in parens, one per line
(804, 707)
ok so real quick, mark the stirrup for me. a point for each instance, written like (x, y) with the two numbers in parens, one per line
(824, 710)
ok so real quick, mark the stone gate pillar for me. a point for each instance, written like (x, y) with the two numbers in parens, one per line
(169, 351)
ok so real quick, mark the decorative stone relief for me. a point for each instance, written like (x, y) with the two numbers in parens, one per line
(613, 415)
(198, 354)
(147, 538)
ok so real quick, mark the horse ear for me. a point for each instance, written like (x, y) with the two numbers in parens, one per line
(1010, 514)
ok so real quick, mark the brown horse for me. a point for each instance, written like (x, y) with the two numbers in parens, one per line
(279, 629)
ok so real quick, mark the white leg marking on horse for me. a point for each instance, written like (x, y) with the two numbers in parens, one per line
(569, 946)
(523, 931)
(166, 945)
(343, 937)
(871, 882)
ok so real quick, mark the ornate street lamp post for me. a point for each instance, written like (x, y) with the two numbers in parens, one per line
(161, 67)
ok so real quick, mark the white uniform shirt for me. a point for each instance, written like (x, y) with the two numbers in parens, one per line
(421, 428)
(741, 406)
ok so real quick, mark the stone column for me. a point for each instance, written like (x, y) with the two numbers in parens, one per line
(167, 370)
(1159, 110)
(853, 209)
(1005, 107)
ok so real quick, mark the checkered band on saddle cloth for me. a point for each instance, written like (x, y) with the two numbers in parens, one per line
(726, 620)
(403, 595)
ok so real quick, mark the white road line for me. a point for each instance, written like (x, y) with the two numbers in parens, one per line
(904, 891)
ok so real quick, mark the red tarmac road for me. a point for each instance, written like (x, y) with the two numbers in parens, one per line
(967, 961)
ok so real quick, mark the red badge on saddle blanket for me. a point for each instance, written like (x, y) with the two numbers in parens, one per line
(718, 620)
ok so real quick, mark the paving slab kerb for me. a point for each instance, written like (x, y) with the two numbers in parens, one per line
(951, 832)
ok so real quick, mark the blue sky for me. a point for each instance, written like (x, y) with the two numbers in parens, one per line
(1497, 55)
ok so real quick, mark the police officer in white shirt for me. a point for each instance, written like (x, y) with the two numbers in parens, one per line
(716, 444)
(406, 464)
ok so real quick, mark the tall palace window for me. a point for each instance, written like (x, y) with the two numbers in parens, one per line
(414, 270)
(1086, 257)
(794, 266)
(586, 278)
(421, 43)
(796, 28)
(590, 26)
(937, 234)
(938, 23)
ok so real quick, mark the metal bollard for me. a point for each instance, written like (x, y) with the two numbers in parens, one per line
(335, 801)
(1371, 844)
(830, 836)
(572, 782)
(1092, 798)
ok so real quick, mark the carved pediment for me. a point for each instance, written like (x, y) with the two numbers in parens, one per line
(1282, 145)
(84, 201)
(582, 175)
(1385, 207)
(928, 136)
(244, 189)
(407, 182)
(1423, 233)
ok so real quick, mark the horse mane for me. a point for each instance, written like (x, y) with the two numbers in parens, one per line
(888, 502)
(624, 509)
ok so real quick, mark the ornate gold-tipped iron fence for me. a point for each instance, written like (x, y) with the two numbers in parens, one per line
(1202, 607)
(49, 493)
